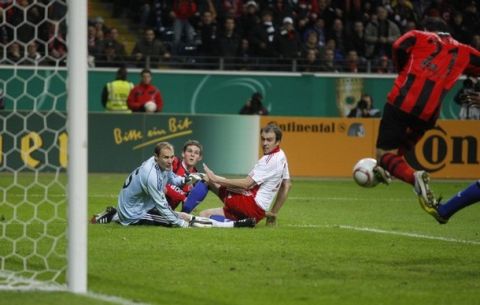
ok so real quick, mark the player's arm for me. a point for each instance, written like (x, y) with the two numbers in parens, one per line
(241, 183)
(161, 204)
(401, 50)
(279, 201)
(175, 193)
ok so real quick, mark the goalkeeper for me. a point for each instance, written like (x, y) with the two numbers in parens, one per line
(142, 199)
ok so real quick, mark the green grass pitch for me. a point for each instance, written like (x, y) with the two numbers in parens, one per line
(336, 243)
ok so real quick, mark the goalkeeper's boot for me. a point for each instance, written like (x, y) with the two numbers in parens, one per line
(245, 223)
(432, 210)
(104, 217)
(382, 175)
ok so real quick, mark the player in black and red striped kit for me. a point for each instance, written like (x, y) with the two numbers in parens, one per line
(428, 63)
(189, 195)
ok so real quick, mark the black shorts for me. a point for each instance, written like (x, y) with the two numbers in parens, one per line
(399, 129)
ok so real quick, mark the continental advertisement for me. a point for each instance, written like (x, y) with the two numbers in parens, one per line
(326, 147)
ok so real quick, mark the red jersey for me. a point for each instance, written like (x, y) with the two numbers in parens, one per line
(176, 194)
(429, 64)
(140, 94)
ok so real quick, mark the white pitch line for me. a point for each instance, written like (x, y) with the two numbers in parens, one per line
(112, 299)
(398, 233)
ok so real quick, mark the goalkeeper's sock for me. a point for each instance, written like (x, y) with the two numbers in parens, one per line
(462, 199)
(398, 167)
(196, 195)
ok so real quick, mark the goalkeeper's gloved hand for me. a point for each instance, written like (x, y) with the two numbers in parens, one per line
(193, 178)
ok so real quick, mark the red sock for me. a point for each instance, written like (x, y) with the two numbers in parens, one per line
(398, 167)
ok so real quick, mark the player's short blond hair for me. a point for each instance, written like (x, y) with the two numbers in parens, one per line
(162, 145)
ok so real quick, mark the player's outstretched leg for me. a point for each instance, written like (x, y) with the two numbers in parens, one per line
(462, 199)
(104, 217)
(432, 210)
(422, 178)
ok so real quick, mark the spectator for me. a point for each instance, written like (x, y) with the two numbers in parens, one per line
(117, 45)
(254, 105)
(356, 40)
(319, 28)
(92, 40)
(328, 63)
(33, 58)
(14, 53)
(109, 57)
(145, 97)
(476, 41)
(149, 49)
(262, 39)
(339, 36)
(311, 43)
(287, 43)
(208, 35)
(380, 33)
(116, 93)
(249, 21)
(229, 41)
(364, 108)
(281, 10)
(353, 63)
(383, 65)
(182, 11)
(100, 43)
(403, 12)
(24, 17)
(468, 97)
(458, 29)
(244, 56)
(310, 63)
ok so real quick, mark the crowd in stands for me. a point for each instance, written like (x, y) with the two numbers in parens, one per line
(280, 35)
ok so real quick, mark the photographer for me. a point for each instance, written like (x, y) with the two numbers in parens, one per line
(254, 105)
(364, 108)
(469, 99)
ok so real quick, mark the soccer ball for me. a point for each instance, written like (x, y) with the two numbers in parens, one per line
(363, 172)
(150, 106)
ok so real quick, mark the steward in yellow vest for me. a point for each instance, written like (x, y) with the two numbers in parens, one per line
(115, 93)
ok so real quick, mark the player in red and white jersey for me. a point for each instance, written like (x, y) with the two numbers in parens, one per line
(252, 197)
(189, 195)
(429, 63)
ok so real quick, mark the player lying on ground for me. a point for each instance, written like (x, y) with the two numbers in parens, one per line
(142, 199)
(464, 198)
(428, 63)
(252, 196)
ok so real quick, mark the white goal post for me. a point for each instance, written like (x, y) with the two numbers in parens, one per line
(77, 126)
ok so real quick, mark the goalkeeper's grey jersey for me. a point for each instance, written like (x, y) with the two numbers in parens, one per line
(143, 190)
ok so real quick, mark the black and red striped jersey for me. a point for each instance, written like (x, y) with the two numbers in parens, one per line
(429, 64)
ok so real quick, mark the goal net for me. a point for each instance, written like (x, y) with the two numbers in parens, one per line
(33, 145)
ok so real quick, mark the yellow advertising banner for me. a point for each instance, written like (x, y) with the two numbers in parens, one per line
(329, 147)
